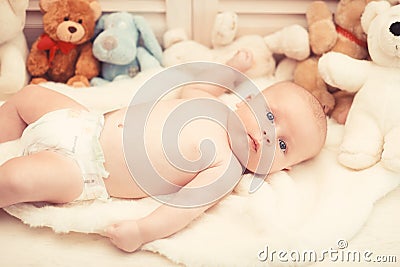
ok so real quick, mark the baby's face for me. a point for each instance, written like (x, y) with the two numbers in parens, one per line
(299, 133)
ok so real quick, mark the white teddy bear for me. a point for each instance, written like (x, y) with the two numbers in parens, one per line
(13, 47)
(372, 130)
(291, 41)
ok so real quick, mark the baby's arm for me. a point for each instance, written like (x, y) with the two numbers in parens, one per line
(202, 90)
(164, 221)
(167, 220)
(241, 61)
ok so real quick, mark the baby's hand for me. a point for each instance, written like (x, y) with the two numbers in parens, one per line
(125, 235)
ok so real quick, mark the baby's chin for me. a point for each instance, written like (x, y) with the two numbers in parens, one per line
(261, 170)
(278, 166)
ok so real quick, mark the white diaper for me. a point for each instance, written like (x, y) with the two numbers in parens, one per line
(74, 133)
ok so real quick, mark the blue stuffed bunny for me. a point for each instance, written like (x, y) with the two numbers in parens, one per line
(125, 45)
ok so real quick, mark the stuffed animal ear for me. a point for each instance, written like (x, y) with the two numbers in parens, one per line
(95, 6)
(372, 9)
(224, 29)
(150, 41)
(45, 4)
(99, 25)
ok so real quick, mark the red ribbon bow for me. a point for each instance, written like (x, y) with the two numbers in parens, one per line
(46, 43)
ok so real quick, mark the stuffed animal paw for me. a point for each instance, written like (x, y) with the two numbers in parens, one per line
(357, 161)
(391, 151)
(328, 68)
(78, 81)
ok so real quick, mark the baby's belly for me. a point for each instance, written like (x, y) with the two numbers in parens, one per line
(119, 183)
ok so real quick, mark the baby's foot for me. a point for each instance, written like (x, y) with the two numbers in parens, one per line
(242, 60)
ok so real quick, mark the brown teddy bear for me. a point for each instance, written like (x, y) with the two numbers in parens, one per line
(340, 32)
(63, 53)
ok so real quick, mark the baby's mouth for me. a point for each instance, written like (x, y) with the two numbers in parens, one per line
(253, 142)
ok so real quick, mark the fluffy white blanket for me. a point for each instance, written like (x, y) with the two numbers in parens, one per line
(310, 208)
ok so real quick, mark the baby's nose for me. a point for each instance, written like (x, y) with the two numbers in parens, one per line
(266, 138)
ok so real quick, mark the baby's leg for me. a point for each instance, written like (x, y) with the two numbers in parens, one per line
(28, 105)
(44, 176)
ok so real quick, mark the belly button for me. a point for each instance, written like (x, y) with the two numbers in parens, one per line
(120, 125)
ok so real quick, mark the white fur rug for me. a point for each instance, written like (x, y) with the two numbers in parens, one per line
(311, 207)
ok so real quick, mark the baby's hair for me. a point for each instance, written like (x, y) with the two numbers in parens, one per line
(318, 112)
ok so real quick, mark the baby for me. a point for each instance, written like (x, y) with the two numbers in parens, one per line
(72, 154)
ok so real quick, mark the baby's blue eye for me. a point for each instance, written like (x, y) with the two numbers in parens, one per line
(282, 145)
(270, 116)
